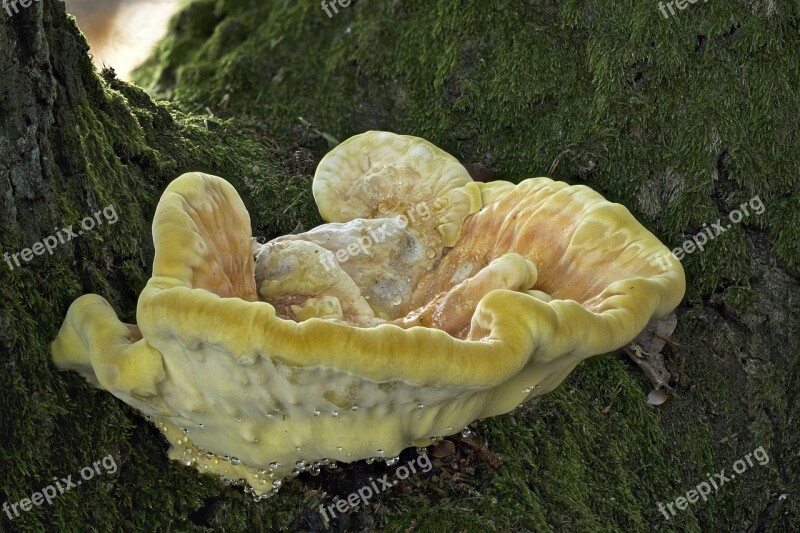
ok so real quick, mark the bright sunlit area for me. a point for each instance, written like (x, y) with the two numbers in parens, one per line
(122, 34)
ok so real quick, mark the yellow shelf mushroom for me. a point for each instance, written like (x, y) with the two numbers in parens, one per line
(428, 301)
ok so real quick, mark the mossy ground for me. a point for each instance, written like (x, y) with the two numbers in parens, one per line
(681, 120)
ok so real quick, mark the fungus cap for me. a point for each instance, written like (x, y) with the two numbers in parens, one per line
(526, 282)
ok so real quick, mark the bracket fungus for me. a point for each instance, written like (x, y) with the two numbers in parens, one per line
(426, 302)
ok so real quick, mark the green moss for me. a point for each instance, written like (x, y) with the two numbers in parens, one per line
(680, 120)
(585, 473)
(113, 147)
(677, 119)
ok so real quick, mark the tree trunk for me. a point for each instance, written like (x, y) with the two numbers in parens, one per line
(592, 455)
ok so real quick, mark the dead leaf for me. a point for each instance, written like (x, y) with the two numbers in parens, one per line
(656, 334)
(444, 448)
(657, 397)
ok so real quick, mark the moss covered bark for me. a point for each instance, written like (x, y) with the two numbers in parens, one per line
(73, 142)
(682, 120)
